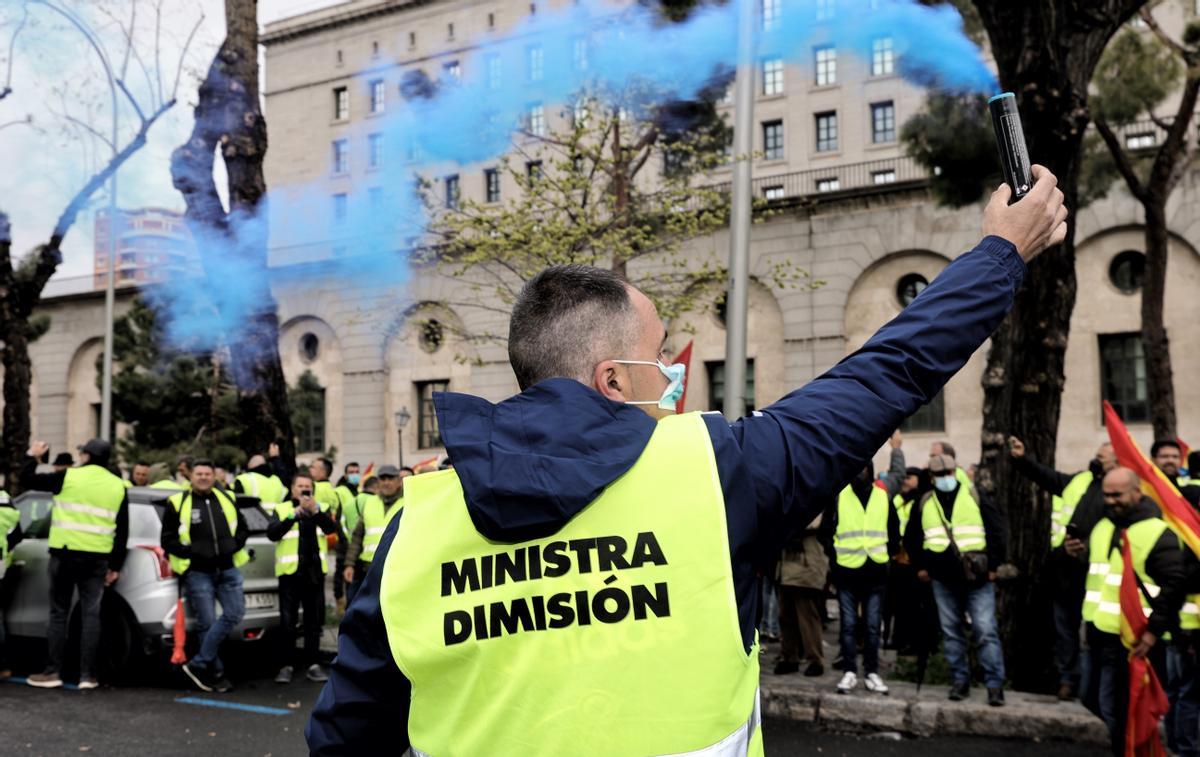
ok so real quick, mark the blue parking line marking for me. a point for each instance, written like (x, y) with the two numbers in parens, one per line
(256, 708)
(24, 681)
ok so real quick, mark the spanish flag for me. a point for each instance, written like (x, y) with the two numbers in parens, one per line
(1176, 510)
(1184, 450)
(685, 357)
(1148, 702)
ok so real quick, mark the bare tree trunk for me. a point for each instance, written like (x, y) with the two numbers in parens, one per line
(1160, 388)
(1046, 53)
(228, 116)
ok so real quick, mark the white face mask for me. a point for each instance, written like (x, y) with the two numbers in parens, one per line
(676, 374)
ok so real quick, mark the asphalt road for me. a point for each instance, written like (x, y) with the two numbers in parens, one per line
(261, 718)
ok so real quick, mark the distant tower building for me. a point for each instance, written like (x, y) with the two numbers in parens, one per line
(153, 244)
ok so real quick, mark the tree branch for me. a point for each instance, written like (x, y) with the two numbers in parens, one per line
(6, 90)
(1168, 165)
(1121, 159)
(1163, 37)
(183, 54)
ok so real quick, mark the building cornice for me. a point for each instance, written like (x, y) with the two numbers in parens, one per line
(297, 28)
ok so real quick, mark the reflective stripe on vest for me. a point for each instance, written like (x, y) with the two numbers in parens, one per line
(861, 531)
(966, 523)
(269, 489)
(619, 634)
(84, 518)
(375, 521)
(287, 549)
(182, 503)
(1063, 507)
(1098, 568)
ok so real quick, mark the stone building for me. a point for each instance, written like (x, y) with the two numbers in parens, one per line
(852, 210)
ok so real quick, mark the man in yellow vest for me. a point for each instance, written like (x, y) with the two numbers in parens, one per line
(1158, 562)
(584, 581)
(204, 535)
(10, 537)
(261, 480)
(89, 526)
(1168, 456)
(1078, 503)
(347, 494)
(377, 511)
(862, 532)
(139, 475)
(954, 527)
(301, 565)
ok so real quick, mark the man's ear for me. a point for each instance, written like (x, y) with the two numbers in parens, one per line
(610, 381)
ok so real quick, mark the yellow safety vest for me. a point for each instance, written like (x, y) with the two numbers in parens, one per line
(269, 489)
(182, 503)
(348, 508)
(1105, 569)
(966, 523)
(619, 634)
(903, 510)
(374, 521)
(324, 494)
(861, 531)
(9, 519)
(170, 483)
(287, 549)
(1064, 507)
(84, 518)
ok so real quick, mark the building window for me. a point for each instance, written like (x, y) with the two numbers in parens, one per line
(341, 207)
(535, 63)
(826, 65)
(412, 40)
(491, 184)
(772, 12)
(1127, 270)
(493, 72)
(452, 191)
(827, 132)
(310, 347)
(537, 120)
(826, 9)
(829, 184)
(580, 54)
(374, 49)
(428, 435)
(341, 103)
(772, 140)
(432, 336)
(1140, 141)
(491, 20)
(772, 77)
(931, 417)
(1123, 376)
(341, 155)
(773, 192)
(374, 150)
(533, 171)
(716, 385)
(883, 56)
(378, 93)
(886, 176)
(883, 122)
(452, 70)
(306, 401)
(449, 31)
(908, 287)
(339, 57)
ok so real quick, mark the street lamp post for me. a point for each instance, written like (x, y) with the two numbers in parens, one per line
(402, 418)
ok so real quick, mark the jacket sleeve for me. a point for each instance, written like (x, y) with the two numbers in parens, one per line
(1165, 567)
(281, 471)
(243, 531)
(356, 543)
(893, 529)
(826, 531)
(116, 558)
(996, 529)
(237, 487)
(1043, 475)
(363, 709)
(42, 482)
(327, 524)
(796, 451)
(170, 534)
(277, 528)
(896, 472)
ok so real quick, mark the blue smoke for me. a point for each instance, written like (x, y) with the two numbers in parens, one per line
(469, 120)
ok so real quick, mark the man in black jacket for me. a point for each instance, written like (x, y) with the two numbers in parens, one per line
(205, 535)
(1078, 505)
(301, 565)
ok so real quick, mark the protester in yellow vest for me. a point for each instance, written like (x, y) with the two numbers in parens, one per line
(584, 580)
(862, 533)
(262, 481)
(139, 474)
(1158, 562)
(347, 518)
(1168, 456)
(1077, 504)
(301, 565)
(10, 536)
(952, 528)
(377, 511)
(89, 526)
(204, 535)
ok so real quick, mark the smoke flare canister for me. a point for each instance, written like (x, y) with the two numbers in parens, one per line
(1014, 155)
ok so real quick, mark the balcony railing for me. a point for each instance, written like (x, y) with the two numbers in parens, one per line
(872, 175)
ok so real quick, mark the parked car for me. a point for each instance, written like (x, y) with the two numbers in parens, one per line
(138, 611)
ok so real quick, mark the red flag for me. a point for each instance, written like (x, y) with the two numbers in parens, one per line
(178, 657)
(685, 357)
(1184, 450)
(1147, 700)
(1176, 511)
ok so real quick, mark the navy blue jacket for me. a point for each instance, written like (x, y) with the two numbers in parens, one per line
(529, 464)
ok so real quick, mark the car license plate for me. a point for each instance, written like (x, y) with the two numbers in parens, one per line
(260, 600)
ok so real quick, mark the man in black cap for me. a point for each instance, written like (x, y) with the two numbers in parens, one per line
(88, 529)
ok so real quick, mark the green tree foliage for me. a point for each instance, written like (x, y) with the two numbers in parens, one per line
(306, 400)
(952, 137)
(1135, 75)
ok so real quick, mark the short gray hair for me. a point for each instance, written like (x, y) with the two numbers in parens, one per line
(567, 319)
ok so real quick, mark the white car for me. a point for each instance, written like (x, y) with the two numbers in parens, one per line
(138, 611)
